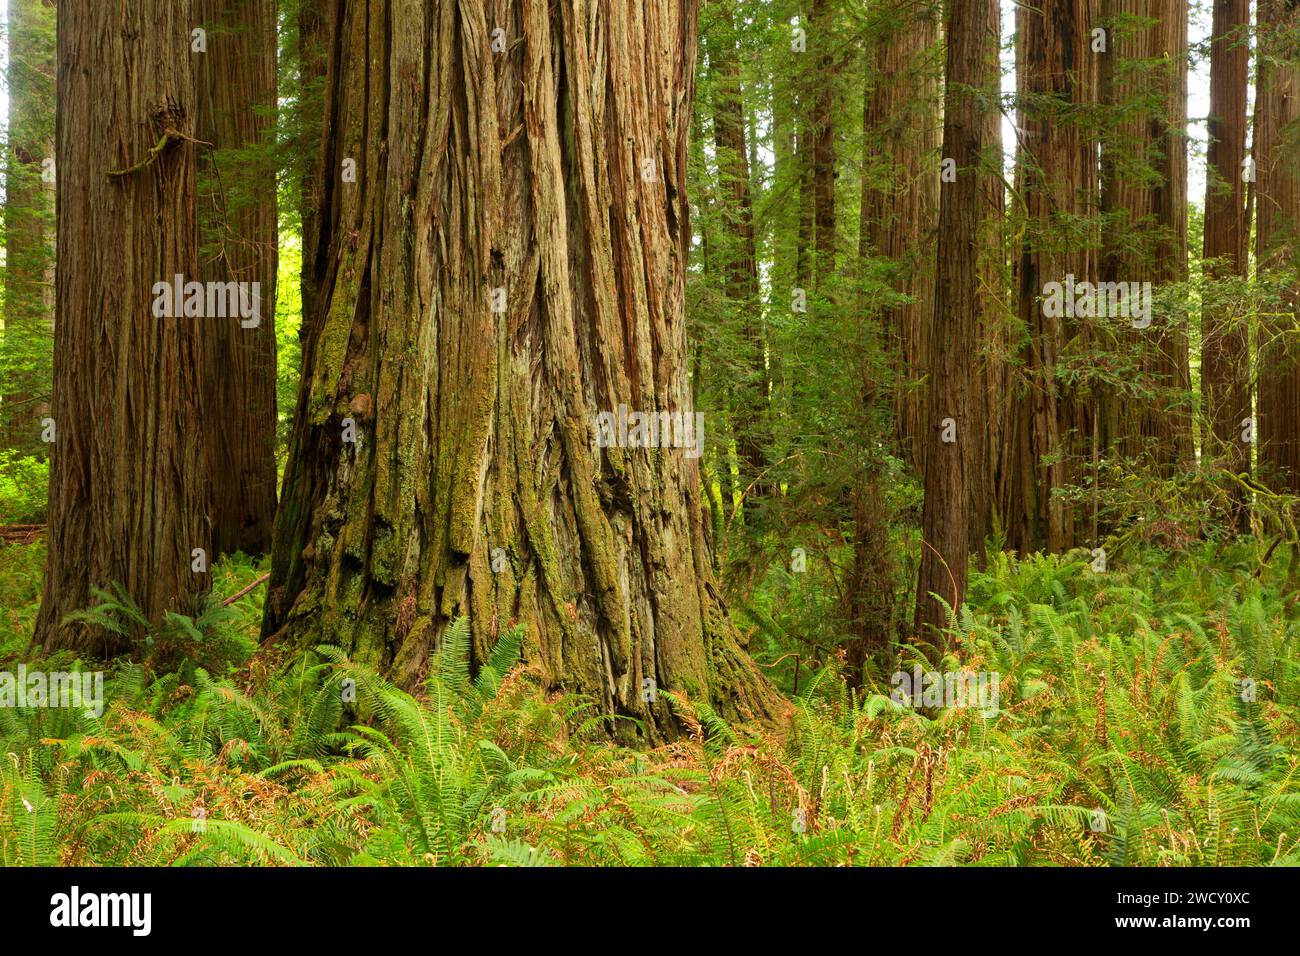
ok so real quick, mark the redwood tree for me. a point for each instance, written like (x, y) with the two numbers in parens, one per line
(1277, 235)
(236, 90)
(1225, 372)
(526, 157)
(129, 483)
(900, 196)
(1056, 172)
(970, 79)
(1144, 77)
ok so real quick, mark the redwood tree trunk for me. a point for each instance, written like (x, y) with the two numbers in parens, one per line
(1225, 372)
(1145, 191)
(900, 199)
(29, 225)
(236, 87)
(1057, 177)
(554, 171)
(129, 483)
(823, 146)
(953, 450)
(1277, 235)
(897, 224)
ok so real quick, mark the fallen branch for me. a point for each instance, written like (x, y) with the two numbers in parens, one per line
(236, 596)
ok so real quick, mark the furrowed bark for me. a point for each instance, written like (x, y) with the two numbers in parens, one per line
(1056, 174)
(1225, 345)
(476, 485)
(129, 484)
(236, 95)
(1277, 235)
(952, 456)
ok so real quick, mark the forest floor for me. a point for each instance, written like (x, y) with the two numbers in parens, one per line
(1146, 715)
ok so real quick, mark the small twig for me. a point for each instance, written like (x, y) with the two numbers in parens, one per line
(236, 596)
(169, 136)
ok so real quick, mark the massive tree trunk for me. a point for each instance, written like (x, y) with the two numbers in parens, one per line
(1144, 160)
(1277, 235)
(236, 95)
(1225, 372)
(1056, 173)
(129, 483)
(547, 181)
(951, 458)
(739, 259)
(29, 225)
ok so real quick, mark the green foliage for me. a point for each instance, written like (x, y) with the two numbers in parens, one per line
(1120, 701)
(24, 482)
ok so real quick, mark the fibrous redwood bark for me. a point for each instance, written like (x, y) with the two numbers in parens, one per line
(1277, 235)
(538, 171)
(129, 483)
(900, 197)
(1056, 175)
(970, 78)
(1225, 372)
(1144, 161)
(897, 222)
(236, 90)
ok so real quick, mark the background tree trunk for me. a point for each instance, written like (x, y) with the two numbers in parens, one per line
(1277, 236)
(29, 226)
(900, 199)
(129, 484)
(740, 261)
(553, 170)
(1144, 161)
(989, 398)
(236, 97)
(1056, 175)
(946, 521)
(1225, 345)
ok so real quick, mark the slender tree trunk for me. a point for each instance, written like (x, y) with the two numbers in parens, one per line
(900, 199)
(971, 73)
(897, 225)
(823, 146)
(129, 483)
(1277, 236)
(989, 399)
(236, 95)
(29, 225)
(740, 268)
(546, 180)
(1057, 176)
(1225, 371)
(1144, 162)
